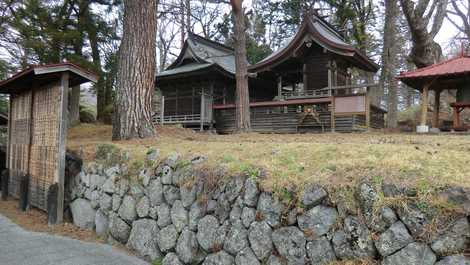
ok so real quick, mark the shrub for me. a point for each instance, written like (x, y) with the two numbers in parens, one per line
(107, 115)
(87, 115)
(109, 153)
(157, 262)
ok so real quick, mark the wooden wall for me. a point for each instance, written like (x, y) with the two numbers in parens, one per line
(316, 69)
(377, 118)
(350, 104)
(184, 98)
(288, 120)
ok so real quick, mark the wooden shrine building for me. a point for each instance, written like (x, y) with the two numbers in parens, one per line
(453, 74)
(306, 86)
(37, 129)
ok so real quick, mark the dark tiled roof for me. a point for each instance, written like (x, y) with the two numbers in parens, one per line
(203, 53)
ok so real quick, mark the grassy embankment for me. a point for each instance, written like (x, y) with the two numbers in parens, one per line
(424, 161)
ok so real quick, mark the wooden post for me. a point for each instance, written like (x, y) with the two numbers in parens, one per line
(279, 87)
(367, 108)
(60, 175)
(330, 78)
(7, 164)
(209, 104)
(333, 122)
(24, 179)
(456, 117)
(424, 105)
(437, 108)
(224, 95)
(202, 112)
(305, 76)
(422, 128)
(193, 98)
(176, 102)
(334, 74)
(162, 111)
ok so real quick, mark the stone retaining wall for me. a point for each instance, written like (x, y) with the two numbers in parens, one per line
(177, 215)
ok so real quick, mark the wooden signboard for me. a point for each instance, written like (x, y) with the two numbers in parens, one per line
(350, 104)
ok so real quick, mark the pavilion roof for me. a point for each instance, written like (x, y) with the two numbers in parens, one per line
(43, 74)
(449, 71)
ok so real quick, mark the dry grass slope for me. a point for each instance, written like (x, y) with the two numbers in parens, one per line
(424, 161)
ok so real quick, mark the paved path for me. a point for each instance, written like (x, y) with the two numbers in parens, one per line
(21, 247)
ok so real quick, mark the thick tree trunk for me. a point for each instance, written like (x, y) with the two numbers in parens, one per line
(389, 62)
(188, 16)
(425, 50)
(136, 72)
(74, 99)
(241, 65)
(183, 22)
(100, 85)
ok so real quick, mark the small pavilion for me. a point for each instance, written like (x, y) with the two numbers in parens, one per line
(453, 74)
(37, 131)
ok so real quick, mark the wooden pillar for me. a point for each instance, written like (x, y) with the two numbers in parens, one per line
(367, 108)
(60, 175)
(333, 122)
(437, 108)
(224, 95)
(456, 117)
(330, 78)
(334, 73)
(422, 128)
(424, 105)
(305, 77)
(193, 98)
(279, 87)
(210, 103)
(162, 111)
(24, 200)
(330, 85)
(10, 118)
(202, 111)
(176, 102)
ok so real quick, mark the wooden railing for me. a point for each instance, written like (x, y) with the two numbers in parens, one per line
(328, 92)
(168, 119)
(318, 93)
(203, 118)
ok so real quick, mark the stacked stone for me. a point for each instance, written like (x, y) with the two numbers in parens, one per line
(172, 215)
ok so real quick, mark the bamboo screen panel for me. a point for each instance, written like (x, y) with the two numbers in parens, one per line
(20, 118)
(44, 160)
(45, 143)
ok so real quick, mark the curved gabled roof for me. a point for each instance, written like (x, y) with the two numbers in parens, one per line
(314, 28)
(200, 53)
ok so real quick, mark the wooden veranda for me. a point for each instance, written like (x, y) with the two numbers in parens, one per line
(333, 110)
